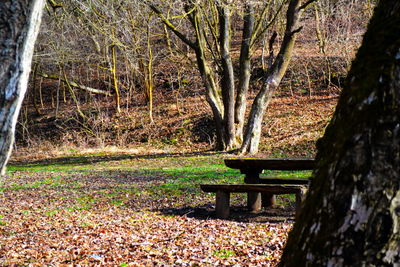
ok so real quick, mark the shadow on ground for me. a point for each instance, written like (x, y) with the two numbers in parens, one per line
(83, 160)
(237, 213)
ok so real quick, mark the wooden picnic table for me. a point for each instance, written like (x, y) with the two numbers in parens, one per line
(253, 167)
(260, 191)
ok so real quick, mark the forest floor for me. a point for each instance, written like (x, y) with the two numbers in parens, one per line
(122, 209)
(142, 205)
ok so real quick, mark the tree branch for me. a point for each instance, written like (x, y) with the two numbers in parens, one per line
(74, 84)
(257, 33)
(169, 24)
(54, 4)
(306, 4)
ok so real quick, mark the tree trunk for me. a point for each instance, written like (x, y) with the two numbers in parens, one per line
(351, 215)
(228, 77)
(212, 90)
(19, 24)
(244, 71)
(253, 132)
(274, 76)
(212, 98)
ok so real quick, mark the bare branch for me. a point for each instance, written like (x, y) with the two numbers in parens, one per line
(257, 34)
(169, 24)
(297, 30)
(54, 4)
(306, 4)
(74, 84)
(271, 49)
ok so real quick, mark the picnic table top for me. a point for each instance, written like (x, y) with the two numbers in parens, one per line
(258, 164)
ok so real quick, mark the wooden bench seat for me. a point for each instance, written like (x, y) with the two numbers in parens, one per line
(223, 193)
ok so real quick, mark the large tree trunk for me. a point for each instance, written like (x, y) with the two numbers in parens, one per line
(19, 25)
(352, 212)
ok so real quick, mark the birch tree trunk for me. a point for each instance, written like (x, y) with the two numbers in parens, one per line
(19, 25)
(351, 215)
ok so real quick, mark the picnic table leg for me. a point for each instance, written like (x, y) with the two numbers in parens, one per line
(300, 196)
(268, 200)
(222, 204)
(253, 198)
(254, 201)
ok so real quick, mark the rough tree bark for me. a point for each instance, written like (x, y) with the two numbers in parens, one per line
(19, 25)
(351, 215)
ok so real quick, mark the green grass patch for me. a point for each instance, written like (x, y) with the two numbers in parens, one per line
(287, 174)
(52, 212)
(118, 174)
(2, 223)
(117, 202)
(224, 253)
(54, 182)
(38, 168)
(83, 203)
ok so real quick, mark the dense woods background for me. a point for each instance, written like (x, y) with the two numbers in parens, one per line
(110, 73)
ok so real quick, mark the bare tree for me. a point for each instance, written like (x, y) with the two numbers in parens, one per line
(274, 76)
(210, 38)
(351, 215)
(19, 24)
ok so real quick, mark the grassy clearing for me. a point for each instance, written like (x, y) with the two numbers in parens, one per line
(177, 174)
(147, 208)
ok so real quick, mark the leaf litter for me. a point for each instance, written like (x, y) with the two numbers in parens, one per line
(100, 218)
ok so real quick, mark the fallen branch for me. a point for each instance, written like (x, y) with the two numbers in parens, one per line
(74, 84)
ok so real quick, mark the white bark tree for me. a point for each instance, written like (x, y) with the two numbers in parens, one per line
(351, 216)
(19, 25)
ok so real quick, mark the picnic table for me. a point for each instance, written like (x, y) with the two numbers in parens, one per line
(261, 191)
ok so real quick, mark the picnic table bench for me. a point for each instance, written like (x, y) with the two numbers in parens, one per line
(260, 191)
